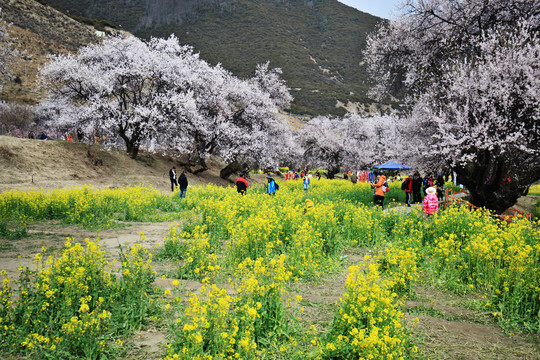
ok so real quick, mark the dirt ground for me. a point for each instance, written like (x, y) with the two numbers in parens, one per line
(50, 164)
(447, 327)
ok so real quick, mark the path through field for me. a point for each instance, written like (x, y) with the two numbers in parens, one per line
(443, 325)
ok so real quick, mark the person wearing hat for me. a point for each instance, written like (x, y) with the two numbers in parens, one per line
(271, 186)
(309, 206)
(431, 203)
(306, 183)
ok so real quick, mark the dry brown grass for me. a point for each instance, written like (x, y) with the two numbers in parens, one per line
(48, 164)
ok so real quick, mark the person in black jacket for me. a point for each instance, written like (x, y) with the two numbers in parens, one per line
(241, 185)
(416, 187)
(440, 187)
(172, 176)
(182, 184)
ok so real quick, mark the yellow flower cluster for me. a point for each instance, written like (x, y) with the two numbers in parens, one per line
(264, 243)
(67, 304)
(200, 261)
(85, 206)
(368, 324)
(502, 259)
(400, 265)
(215, 325)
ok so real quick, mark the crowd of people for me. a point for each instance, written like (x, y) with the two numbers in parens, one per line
(427, 190)
(414, 185)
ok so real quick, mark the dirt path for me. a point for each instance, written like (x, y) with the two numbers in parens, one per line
(441, 324)
(52, 236)
(446, 327)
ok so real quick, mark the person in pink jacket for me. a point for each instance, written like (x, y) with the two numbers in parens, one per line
(431, 203)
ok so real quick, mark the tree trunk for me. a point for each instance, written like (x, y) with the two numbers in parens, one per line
(133, 151)
(233, 167)
(132, 144)
(331, 173)
(490, 184)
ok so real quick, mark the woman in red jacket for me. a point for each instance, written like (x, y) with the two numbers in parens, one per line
(241, 185)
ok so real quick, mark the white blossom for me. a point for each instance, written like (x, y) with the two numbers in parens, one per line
(136, 91)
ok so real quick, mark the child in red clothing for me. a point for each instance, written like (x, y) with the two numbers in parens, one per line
(431, 203)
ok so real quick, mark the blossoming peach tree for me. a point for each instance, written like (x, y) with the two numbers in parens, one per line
(469, 75)
(350, 142)
(135, 92)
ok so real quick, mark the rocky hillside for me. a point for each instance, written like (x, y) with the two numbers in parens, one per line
(39, 30)
(317, 43)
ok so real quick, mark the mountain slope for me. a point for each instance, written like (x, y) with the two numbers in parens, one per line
(39, 30)
(317, 43)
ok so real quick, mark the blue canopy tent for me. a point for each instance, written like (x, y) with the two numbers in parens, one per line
(392, 165)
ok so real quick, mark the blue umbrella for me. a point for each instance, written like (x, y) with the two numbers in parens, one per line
(392, 165)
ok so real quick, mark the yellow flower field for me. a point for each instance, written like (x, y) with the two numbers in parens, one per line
(248, 251)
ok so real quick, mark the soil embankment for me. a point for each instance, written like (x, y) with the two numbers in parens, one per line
(46, 164)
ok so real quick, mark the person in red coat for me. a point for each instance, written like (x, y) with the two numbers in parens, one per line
(241, 185)
(407, 187)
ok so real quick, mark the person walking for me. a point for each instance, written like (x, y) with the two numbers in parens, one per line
(172, 177)
(183, 184)
(241, 185)
(380, 187)
(425, 184)
(416, 187)
(271, 186)
(407, 187)
(431, 203)
(440, 187)
(306, 183)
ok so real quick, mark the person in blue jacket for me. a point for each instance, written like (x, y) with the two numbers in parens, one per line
(306, 183)
(271, 186)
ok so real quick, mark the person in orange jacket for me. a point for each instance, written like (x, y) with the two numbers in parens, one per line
(379, 186)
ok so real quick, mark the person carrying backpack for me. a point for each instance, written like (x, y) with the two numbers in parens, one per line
(271, 186)
(381, 187)
(407, 187)
(425, 184)
(306, 183)
(241, 185)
